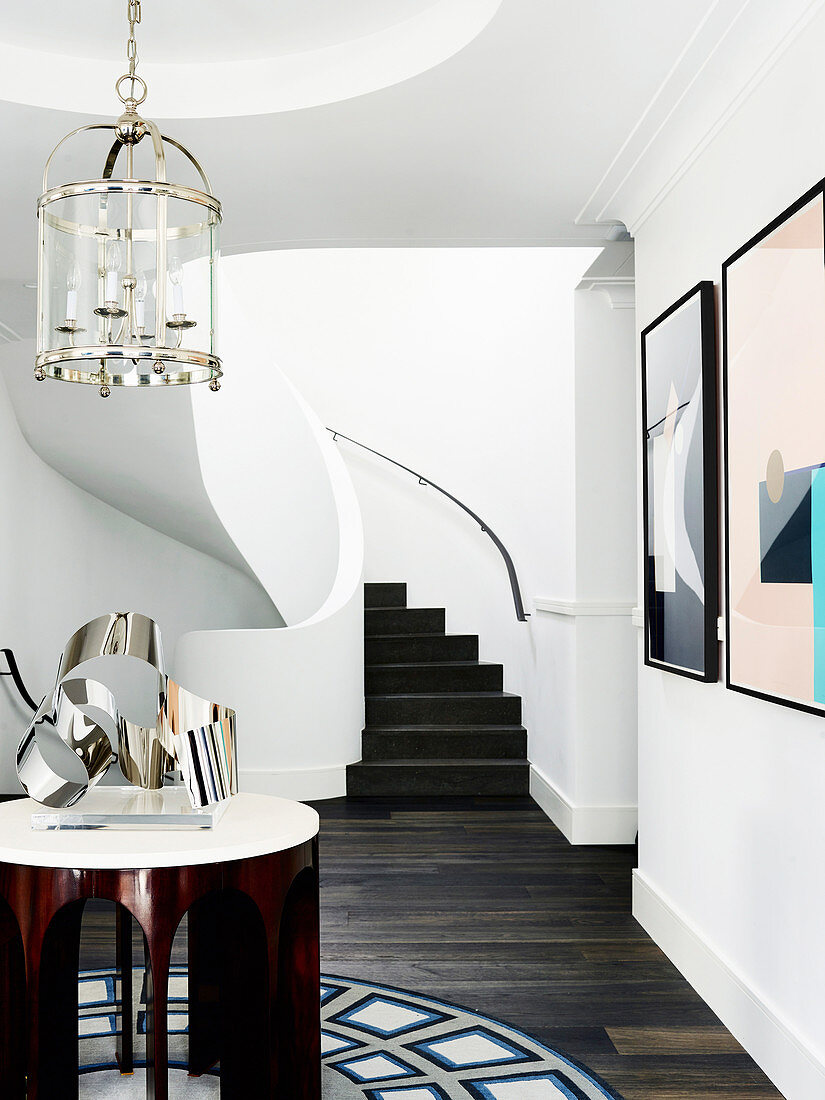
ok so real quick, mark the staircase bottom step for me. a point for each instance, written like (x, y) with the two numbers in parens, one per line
(399, 778)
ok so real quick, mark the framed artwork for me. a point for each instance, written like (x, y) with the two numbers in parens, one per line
(680, 471)
(774, 378)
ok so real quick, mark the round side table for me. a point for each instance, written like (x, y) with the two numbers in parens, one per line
(250, 890)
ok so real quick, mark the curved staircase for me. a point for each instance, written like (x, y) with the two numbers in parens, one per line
(437, 719)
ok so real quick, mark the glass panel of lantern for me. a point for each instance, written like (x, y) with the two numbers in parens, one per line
(134, 271)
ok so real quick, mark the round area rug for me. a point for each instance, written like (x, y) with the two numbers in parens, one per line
(377, 1043)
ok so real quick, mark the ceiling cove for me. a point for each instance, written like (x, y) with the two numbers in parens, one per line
(266, 59)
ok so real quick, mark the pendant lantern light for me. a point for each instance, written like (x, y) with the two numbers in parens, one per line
(128, 261)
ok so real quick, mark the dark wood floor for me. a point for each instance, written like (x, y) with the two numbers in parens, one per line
(483, 902)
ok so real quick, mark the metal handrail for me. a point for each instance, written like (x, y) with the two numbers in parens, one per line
(521, 614)
(14, 672)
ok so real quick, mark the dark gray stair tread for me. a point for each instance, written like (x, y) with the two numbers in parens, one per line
(485, 707)
(423, 634)
(442, 762)
(444, 742)
(404, 620)
(385, 594)
(435, 727)
(400, 648)
(419, 777)
(431, 677)
(457, 665)
(448, 695)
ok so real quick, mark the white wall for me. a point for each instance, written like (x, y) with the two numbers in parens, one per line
(249, 476)
(460, 363)
(731, 789)
(283, 492)
(66, 557)
(135, 451)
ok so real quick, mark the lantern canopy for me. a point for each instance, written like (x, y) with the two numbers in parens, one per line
(128, 260)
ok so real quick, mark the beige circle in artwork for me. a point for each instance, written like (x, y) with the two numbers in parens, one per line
(775, 476)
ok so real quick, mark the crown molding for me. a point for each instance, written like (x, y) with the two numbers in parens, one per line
(613, 273)
(731, 52)
(621, 292)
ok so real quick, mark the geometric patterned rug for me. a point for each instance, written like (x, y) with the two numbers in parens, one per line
(378, 1043)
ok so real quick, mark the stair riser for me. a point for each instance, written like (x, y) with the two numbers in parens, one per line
(412, 647)
(408, 620)
(434, 678)
(402, 710)
(385, 595)
(423, 781)
(472, 745)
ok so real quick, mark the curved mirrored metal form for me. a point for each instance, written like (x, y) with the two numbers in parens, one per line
(68, 746)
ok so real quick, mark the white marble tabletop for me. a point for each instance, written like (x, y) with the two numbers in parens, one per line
(253, 825)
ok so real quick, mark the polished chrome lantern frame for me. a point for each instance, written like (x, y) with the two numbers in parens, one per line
(158, 360)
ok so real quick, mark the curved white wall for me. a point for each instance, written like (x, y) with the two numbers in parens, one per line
(250, 477)
(66, 557)
(136, 452)
(282, 490)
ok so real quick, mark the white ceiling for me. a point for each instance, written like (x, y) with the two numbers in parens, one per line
(206, 59)
(183, 31)
(502, 143)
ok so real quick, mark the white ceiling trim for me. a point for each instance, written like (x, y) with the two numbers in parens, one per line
(588, 238)
(620, 292)
(732, 51)
(613, 273)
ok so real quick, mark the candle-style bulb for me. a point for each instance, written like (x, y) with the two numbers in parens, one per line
(113, 262)
(176, 279)
(140, 300)
(113, 257)
(72, 287)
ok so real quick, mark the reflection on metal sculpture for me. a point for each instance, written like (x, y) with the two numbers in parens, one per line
(68, 746)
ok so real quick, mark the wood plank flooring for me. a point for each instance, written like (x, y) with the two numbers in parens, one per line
(483, 902)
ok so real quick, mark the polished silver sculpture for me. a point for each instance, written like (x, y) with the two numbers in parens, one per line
(67, 748)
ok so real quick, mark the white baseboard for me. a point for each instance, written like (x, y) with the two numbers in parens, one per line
(584, 824)
(790, 1064)
(310, 785)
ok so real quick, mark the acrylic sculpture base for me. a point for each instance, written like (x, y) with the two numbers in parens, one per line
(131, 808)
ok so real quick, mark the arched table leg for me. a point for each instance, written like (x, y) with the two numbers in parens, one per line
(12, 1009)
(299, 994)
(204, 945)
(125, 1047)
(52, 962)
(244, 1005)
(159, 952)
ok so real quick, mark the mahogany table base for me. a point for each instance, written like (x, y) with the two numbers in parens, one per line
(254, 981)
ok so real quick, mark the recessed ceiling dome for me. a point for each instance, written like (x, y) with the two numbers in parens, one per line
(207, 58)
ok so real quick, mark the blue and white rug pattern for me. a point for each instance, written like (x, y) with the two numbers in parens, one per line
(378, 1043)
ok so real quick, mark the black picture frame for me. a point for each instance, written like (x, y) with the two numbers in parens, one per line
(810, 196)
(699, 631)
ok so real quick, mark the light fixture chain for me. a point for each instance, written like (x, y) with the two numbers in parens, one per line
(136, 84)
(131, 46)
